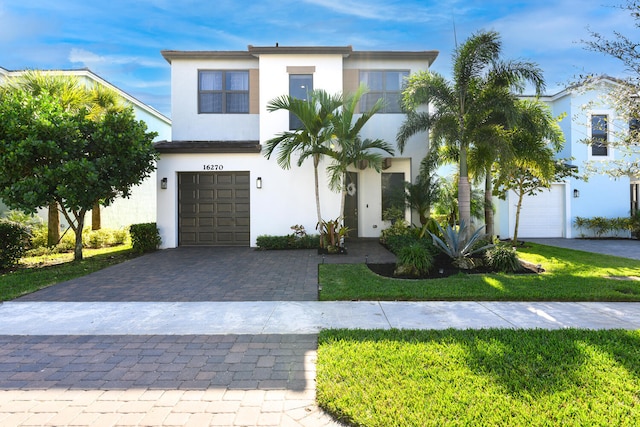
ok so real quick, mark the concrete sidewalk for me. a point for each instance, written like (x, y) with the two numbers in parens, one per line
(304, 317)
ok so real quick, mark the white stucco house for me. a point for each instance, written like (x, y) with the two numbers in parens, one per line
(215, 186)
(141, 206)
(552, 213)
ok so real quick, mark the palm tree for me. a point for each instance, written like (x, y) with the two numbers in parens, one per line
(72, 96)
(347, 148)
(426, 190)
(315, 113)
(459, 108)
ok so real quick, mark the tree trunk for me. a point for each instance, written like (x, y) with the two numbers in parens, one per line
(518, 207)
(77, 251)
(344, 196)
(315, 175)
(96, 220)
(464, 190)
(488, 205)
(53, 225)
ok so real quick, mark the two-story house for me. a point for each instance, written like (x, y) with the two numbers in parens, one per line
(587, 117)
(216, 187)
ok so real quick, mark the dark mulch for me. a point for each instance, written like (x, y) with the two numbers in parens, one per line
(442, 267)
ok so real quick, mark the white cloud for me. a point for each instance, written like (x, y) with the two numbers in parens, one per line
(399, 12)
(91, 59)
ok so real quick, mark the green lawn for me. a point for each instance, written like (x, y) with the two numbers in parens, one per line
(39, 272)
(570, 276)
(480, 378)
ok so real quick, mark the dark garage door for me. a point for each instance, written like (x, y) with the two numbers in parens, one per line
(213, 208)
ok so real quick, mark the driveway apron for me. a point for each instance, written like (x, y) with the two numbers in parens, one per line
(216, 379)
(211, 274)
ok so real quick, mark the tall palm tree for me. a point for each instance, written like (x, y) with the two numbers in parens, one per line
(71, 96)
(459, 107)
(347, 148)
(311, 140)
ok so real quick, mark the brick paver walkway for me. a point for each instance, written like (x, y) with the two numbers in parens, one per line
(217, 380)
(198, 380)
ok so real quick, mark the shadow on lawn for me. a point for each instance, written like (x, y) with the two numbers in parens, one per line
(523, 362)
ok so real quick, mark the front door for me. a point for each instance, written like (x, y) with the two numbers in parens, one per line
(351, 204)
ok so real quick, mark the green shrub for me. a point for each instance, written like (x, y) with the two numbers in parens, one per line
(14, 239)
(599, 226)
(103, 238)
(502, 258)
(291, 241)
(399, 228)
(145, 237)
(414, 260)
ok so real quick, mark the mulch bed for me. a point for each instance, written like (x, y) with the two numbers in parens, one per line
(442, 267)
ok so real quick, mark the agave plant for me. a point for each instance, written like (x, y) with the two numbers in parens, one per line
(458, 244)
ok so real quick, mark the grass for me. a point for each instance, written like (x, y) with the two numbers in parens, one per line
(570, 276)
(491, 377)
(39, 272)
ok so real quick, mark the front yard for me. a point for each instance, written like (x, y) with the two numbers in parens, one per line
(485, 377)
(569, 276)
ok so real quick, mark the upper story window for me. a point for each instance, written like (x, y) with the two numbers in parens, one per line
(599, 135)
(223, 91)
(299, 87)
(385, 84)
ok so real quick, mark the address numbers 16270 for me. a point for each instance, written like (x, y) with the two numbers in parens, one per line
(212, 167)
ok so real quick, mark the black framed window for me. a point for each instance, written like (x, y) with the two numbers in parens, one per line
(299, 87)
(393, 191)
(385, 84)
(599, 134)
(223, 91)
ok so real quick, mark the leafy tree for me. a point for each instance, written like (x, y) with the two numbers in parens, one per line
(447, 203)
(623, 97)
(51, 154)
(311, 140)
(536, 139)
(70, 94)
(347, 148)
(457, 110)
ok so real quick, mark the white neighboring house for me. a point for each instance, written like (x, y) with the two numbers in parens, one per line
(552, 213)
(140, 207)
(217, 187)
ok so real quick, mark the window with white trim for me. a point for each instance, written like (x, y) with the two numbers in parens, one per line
(385, 84)
(223, 91)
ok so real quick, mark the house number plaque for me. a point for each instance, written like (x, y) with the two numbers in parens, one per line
(212, 167)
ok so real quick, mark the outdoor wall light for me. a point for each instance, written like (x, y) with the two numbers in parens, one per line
(163, 183)
(258, 182)
(576, 193)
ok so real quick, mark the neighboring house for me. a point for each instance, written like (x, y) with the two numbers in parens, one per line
(215, 186)
(552, 213)
(141, 206)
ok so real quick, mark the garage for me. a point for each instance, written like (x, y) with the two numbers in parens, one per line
(213, 209)
(542, 215)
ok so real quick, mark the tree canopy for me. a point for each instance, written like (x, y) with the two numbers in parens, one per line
(623, 97)
(461, 113)
(50, 153)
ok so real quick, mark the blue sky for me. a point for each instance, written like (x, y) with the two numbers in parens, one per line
(121, 40)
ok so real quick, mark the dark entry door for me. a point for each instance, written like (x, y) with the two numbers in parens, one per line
(351, 204)
(213, 209)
